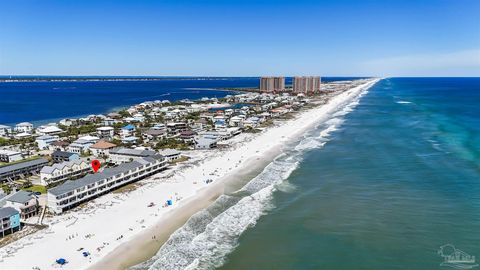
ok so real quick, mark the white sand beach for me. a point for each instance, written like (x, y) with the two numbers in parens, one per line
(117, 226)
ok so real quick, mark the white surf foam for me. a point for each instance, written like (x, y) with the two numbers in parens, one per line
(211, 234)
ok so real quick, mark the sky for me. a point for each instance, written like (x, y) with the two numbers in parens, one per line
(240, 38)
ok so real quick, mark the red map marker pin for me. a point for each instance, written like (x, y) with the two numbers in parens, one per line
(95, 165)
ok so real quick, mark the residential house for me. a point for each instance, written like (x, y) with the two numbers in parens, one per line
(82, 144)
(9, 220)
(128, 131)
(130, 140)
(102, 148)
(175, 128)
(61, 156)
(121, 155)
(59, 172)
(45, 141)
(236, 121)
(170, 154)
(109, 121)
(49, 130)
(187, 136)
(105, 132)
(59, 146)
(10, 156)
(22, 135)
(5, 131)
(24, 127)
(25, 202)
(205, 143)
(155, 134)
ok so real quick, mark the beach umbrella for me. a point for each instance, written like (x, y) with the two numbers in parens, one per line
(169, 202)
(61, 261)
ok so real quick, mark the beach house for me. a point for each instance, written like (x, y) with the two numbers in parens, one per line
(10, 156)
(205, 143)
(5, 131)
(105, 132)
(59, 146)
(82, 144)
(102, 148)
(66, 170)
(170, 154)
(21, 169)
(45, 141)
(25, 202)
(128, 131)
(24, 127)
(175, 128)
(49, 130)
(9, 220)
(155, 134)
(121, 155)
(61, 156)
(187, 136)
(72, 193)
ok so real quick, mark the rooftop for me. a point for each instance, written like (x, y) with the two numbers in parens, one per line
(92, 178)
(62, 154)
(132, 152)
(21, 196)
(22, 165)
(103, 145)
(7, 212)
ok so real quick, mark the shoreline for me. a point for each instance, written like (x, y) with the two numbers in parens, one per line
(88, 228)
(141, 249)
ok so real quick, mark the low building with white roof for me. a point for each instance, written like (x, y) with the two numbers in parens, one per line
(24, 127)
(45, 141)
(10, 156)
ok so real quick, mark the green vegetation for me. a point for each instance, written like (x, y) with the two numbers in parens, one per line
(86, 154)
(251, 130)
(23, 142)
(124, 113)
(6, 189)
(193, 116)
(171, 143)
(36, 188)
(77, 130)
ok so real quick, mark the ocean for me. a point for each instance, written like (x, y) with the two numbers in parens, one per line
(387, 181)
(41, 102)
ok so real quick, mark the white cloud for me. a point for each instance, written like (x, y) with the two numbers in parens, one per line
(459, 63)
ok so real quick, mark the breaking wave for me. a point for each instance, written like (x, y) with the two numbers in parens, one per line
(211, 234)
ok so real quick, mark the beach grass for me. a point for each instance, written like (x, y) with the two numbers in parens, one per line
(36, 188)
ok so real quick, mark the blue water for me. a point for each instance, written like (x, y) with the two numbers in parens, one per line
(386, 181)
(42, 102)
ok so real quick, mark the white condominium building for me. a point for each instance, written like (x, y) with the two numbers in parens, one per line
(72, 193)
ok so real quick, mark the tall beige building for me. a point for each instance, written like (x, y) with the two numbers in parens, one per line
(307, 85)
(272, 84)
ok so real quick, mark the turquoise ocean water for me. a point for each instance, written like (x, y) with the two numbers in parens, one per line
(382, 184)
